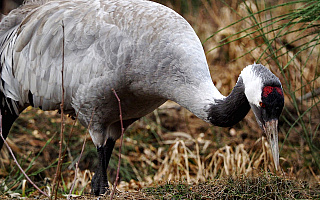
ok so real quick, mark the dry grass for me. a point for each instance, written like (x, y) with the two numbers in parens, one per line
(183, 162)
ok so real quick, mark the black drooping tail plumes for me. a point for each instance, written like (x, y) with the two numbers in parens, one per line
(8, 116)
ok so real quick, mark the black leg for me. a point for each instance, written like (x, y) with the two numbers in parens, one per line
(7, 120)
(99, 183)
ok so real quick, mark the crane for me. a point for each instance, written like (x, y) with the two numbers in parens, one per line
(145, 51)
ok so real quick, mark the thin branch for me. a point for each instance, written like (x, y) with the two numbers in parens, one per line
(15, 160)
(77, 163)
(309, 95)
(121, 140)
(57, 175)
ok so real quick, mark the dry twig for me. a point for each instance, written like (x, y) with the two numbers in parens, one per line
(121, 140)
(57, 175)
(15, 160)
(77, 164)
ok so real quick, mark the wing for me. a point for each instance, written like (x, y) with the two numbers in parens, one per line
(34, 56)
(142, 39)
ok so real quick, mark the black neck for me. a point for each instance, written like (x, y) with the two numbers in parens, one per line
(229, 111)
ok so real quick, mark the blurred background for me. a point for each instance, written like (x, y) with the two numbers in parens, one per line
(282, 35)
(7, 5)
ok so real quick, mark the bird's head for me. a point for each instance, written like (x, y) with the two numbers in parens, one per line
(265, 96)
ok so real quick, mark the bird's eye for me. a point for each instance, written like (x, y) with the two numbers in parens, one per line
(262, 105)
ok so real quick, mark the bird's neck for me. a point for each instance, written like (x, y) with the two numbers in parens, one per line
(197, 98)
(191, 85)
(207, 103)
(231, 109)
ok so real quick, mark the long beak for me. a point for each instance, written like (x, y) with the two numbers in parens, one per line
(271, 130)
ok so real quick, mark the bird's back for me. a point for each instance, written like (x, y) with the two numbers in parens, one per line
(131, 43)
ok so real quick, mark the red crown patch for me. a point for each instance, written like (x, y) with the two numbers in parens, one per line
(269, 89)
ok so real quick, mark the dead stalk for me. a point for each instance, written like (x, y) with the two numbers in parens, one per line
(15, 160)
(58, 171)
(121, 139)
(71, 132)
(82, 149)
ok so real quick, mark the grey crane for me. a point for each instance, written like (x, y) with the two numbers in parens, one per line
(145, 51)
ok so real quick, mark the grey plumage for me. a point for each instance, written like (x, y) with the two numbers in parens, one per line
(108, 44)
(145, 51)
